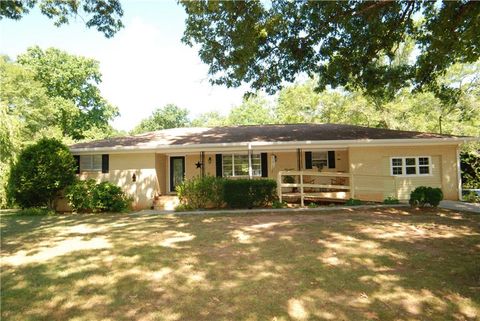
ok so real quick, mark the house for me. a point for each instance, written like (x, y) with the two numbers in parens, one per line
(327, 161)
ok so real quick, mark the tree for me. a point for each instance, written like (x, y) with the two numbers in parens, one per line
(170, 116)
(298, 104)
(72, 81)
(209, 119)
(254, 110)
(101, 14)
(343, 43)
(42, 170)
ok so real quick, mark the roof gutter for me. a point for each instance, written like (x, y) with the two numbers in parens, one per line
(278, 145)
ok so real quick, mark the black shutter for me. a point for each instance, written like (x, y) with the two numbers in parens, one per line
(264, 164)
(218, 164)
(77, 163)
(105, 163)
(331, 159)
(308, 160)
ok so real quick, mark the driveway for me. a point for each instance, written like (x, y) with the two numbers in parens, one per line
(461, 206)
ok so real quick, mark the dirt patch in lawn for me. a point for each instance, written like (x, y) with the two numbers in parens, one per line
(381, 264)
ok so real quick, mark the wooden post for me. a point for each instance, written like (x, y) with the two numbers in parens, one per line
(302, 203)
(352, 187)
(279, 186)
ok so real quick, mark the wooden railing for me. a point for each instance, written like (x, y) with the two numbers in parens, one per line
(386, 185)
(301, 182)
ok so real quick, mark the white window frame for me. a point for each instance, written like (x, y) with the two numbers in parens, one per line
(250, 163)
(91, 168)
(417, 166)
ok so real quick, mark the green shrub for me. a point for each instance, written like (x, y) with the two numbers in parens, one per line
(391, 200)
(471, 197)
(88, 196)
(40, 173)
(278, 204)
(313, 205)
(108, 197)
(35, 211)
(183, 208)
(249, 193)
(79, 195)
(424, 195)
(201, 192)
(353, 202)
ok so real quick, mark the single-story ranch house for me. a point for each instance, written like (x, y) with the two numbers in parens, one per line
(317, 161)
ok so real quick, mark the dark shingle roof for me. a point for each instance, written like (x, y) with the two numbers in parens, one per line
(256, 133)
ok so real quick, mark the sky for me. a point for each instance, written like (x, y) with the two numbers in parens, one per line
(144, 66)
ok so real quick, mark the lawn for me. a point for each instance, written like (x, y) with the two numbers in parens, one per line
(385, 264)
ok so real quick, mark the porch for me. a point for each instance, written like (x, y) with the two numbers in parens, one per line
(333, 187)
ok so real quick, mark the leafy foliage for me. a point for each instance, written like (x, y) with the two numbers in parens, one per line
(353, 202)
(249, 193)
(391, 200)
(80, 195)
(170, 116)
(73, 82)
(254, 110)
(424, 195)
(350, 44)
(88, 196)
(108, 197)
(201, 192)
(470, 166)
(104, 15)
(42, 170)
(35, 211)
(278, 204)
(471, 197)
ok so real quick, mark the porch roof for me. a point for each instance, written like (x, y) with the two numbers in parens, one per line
(274, 134)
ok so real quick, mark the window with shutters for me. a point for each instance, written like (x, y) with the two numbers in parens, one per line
(90, 163)
(236, 165)
(410, 166)
(320, 159)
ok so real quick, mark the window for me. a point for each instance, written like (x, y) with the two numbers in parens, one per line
(237, 165)
(90, 163)
(410, 166)
(319, 159)
(397, 166)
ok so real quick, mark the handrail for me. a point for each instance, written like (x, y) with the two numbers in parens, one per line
(351, 187)
(301, 185)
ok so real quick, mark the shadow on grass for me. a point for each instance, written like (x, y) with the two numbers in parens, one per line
(386, 264)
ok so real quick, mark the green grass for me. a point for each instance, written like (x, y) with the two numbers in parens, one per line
(384, 264)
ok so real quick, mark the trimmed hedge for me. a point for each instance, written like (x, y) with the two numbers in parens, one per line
(249, 193)
(216, 192)
(424, 195)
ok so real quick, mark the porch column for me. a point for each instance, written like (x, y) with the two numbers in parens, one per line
(250, 170)
(202, 160)
(299, 159)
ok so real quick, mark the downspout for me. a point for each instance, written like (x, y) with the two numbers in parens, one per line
(459, 174)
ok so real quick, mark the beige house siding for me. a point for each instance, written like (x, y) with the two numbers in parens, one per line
(121, 169)
(370, 167)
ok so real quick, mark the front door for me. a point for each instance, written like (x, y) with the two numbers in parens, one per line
(177, 171)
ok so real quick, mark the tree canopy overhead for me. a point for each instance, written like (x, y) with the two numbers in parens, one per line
(104, 15)
(344, 43)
